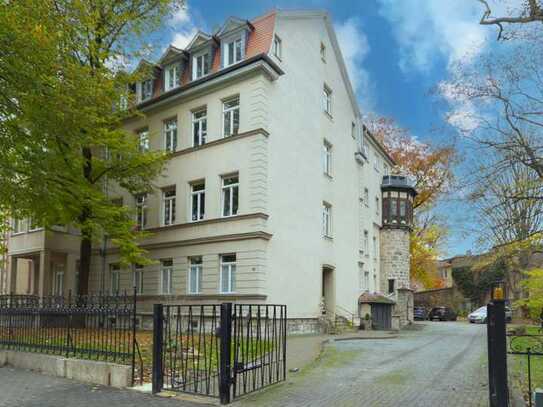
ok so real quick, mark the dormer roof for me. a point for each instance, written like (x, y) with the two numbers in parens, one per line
(233, 24)
(145, 65)
(200, 38)
(170, 54)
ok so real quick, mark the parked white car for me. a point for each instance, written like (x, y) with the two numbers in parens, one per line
(479, 315)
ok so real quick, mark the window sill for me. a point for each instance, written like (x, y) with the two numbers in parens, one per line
(17, 233)
(329, 238)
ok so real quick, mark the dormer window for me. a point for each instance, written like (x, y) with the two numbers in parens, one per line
(233, 51)
(145, 90)
(200, 65)
(172, 77)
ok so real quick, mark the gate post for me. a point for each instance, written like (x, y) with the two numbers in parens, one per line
(497, 354)
(158, 368)
(225, 363)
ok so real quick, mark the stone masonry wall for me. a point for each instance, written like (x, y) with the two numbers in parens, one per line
(394, 258)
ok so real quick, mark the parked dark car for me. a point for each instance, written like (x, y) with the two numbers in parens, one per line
(442, 314)
(420, 313)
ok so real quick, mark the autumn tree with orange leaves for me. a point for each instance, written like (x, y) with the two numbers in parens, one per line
(429, 167)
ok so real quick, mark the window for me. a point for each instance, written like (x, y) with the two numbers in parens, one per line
(230, 195)
(323, 52)
(170, 135)
(168, 205)
(19, 225)
(195, 275)
(353, 130)
(377, 205)
(366, 197)
(200, 66)
(114, 278)
(233, 52)
(391, 282)
(197, 201)
(374, 247)
(199, 127)
(137, 281)
(366, 243)
(366, 149)
(58, 279)
(145, 90)
(230, 117)
(172, 77)
(143, 140)
(327, 158)
(166, 271)
(385, 168)
(228, 273)
(327, 100)
(141, 210)
(367, 280)
(326, 219)
(277, 47)
(376, 162)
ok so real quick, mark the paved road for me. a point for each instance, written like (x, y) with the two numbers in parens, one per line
(442, 364)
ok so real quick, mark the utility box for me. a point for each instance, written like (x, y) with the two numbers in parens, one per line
(538, 396)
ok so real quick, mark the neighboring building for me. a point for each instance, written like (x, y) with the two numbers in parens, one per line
(272, 192)
(444, 270)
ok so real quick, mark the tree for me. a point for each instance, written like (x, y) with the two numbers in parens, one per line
(61, 116)
(430, 170)
(529, 11)
(534, 287)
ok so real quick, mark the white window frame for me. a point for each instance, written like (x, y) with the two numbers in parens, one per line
(137, 279)
(205, 60)
(229, 267)
(327, 158)
(114, 277)
(234, 189)
(19, 226)
(169, 128)
(143, 140)
(375, 251)
(366, 243)
(366, 196)
(200, 201)
(327, 100)
(326, 219)
(168, 206)
(141, 210)
(199, 135)
(196, 266)
(277, 47)
(166, 275)
(143, 96)
(377, 206)
(230, 112)
(238, 40)
(170, 69)
(58, 280)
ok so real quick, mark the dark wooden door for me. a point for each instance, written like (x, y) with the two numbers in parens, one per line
(381, 316)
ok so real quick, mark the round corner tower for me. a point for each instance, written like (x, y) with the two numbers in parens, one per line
(397, 198)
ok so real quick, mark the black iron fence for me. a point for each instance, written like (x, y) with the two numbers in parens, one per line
(95, 327)
(222, 351)
(524, 348)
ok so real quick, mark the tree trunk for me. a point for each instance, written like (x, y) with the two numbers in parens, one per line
(85, 248)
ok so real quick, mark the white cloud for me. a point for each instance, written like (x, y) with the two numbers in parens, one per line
(184, 28)
(426, 29)
(355, 47)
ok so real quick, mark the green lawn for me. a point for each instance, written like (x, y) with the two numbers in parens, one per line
(518, 364)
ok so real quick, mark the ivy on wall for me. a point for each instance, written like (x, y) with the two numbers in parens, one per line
(476, 284)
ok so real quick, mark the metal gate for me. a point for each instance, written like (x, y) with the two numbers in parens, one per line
(522, 350)
(381, 316)
(222, 351)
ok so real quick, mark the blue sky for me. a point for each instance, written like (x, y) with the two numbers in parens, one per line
(396, 51)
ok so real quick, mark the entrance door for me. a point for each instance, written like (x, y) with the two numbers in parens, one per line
(381, 316)
(328, 291)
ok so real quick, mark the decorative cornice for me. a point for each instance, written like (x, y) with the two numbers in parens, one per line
(256, 215)
(221, 141)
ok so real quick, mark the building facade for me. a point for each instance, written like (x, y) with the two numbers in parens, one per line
(272, 191)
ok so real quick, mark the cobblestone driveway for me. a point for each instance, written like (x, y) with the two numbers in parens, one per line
(441, 365)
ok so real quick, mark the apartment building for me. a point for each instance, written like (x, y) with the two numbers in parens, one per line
(272, 192)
